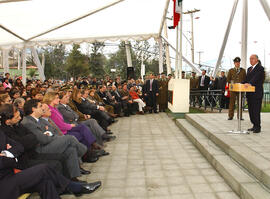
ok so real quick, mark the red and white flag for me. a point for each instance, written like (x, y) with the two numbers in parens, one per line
(177, 4)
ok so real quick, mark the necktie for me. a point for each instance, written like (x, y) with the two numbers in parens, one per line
(202, 81)
(151, 81)
(54, 126)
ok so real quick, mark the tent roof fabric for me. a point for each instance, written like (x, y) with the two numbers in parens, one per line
(125, 20)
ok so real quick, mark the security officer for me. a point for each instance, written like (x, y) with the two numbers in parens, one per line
(235, 75)
(194, 82)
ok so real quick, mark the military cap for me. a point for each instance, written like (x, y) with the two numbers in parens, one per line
(237, 59)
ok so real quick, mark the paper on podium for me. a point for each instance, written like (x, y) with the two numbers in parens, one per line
(238, 87)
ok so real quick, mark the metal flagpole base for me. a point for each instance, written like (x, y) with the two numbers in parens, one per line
(238, 132)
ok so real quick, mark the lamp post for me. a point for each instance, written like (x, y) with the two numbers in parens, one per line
(191, 12)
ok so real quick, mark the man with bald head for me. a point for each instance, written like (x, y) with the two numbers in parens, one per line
(255, 77)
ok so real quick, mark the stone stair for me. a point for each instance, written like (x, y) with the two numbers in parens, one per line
(243, 169)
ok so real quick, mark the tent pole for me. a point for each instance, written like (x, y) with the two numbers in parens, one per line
(164, 17)
(37, 62)
(266, 8)
(24, 66)
(160, 56)
(129, 62)
(244, 34)
(5, 61)
(225, 38)
(19, 59)
(168, 60)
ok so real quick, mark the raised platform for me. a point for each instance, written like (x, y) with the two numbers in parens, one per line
(243, 160)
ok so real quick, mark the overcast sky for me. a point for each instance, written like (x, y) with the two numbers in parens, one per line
(209, 30)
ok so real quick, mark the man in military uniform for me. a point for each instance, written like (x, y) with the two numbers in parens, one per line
(194, 82)
(163, 93)
(235, 75)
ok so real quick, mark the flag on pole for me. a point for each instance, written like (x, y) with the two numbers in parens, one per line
(176, 12)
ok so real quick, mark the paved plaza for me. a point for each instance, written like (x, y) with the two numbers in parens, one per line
(151, 158)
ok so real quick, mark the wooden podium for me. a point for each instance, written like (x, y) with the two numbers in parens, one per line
(240, 88)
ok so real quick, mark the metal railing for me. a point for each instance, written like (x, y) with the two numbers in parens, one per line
(206, 98)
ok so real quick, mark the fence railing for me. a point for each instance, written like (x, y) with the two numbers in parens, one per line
(213, 99)
(206, 98)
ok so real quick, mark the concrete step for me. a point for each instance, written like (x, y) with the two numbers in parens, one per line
(237, 177)
(253, 162)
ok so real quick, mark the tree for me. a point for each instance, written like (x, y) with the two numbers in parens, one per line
(55, 58)
(97, 60)
(77, 63)
(32, 73)
(118, 61)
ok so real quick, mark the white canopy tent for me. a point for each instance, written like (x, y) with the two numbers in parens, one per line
(38, 22)
(27, 24)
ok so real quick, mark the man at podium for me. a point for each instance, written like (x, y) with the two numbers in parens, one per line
(255, 77)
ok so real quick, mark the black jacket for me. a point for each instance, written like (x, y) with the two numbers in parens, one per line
(28, 140)
(206, 82)
(8, 164)
(255, 77)
(155, 87)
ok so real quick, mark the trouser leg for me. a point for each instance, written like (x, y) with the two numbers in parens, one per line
(232, 103)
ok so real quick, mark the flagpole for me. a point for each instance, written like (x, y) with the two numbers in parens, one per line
(181, 37)
(176, 53)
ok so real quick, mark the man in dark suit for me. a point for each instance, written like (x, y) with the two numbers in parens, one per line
(40, 178)
(10, 125)
(152, 92)
(204, 81)
(255, 77)
(97, 112)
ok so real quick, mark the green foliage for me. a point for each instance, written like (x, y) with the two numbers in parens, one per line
(55, 58)
(265, 107)
(77, 63)
(97, 60)
(118, 61)
(32, 72)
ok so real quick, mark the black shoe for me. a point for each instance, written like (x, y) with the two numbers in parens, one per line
(230, 118)
(155, 112)
(109, 132)
(84, 172)
(251, 129)
(258, 130)
(100, 153)
(90, 159)
(108, 138)
(242, 119)
(114, 121)
(88, 188)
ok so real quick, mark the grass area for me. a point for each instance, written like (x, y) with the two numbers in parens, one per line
(195, 110)
(182, 115)
(266, 108)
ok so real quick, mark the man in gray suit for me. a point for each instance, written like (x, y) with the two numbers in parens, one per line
(50, 142)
